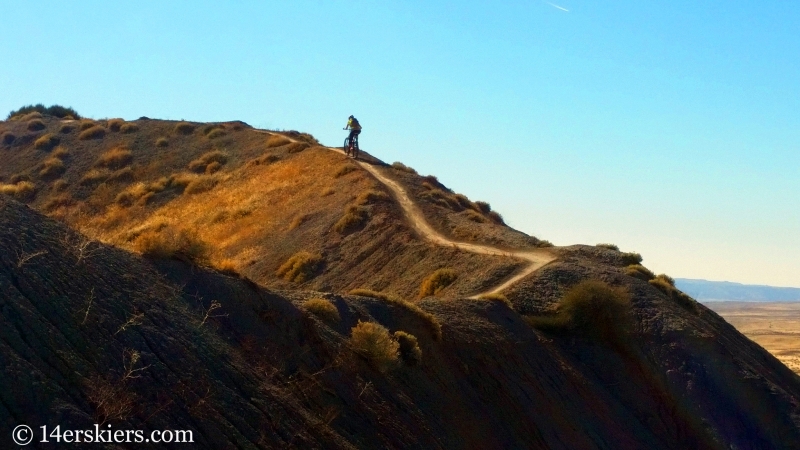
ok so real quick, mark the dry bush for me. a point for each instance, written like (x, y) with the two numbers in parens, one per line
(301, 267)
(409, 348)
(277, 140)
(36, 125)
(403, 168)
(640, 272)
(111, 401)
(666, 284)
(114, 124)
(464, 202)
(227, 267)
(213, 168)
(200, 184)
(475, 216)
(483, 207)
(216, 133)
(86, 124)
(52, 168)
(323, 309)
(184, 128)
(496, 297)
(115, 159)
(371, 196)
(427, 185)
(265, 160)
(168, 242)
(327, 191)
(94, 176)
(31, 116)
(629, 258)
(124, 175)
(60, 153)
(297, 221)
(374, 342)
(66, 128)
(162, 142)
(59, 201)
(608, 246)
(200, 164)
(24, 191)
(544, 244)
(16, 178)
(437, 281)
(129, 128)
(354, 217)
(297, 147)
(95, 132)
(441, 198)
(60, 186)
(8, 138)
(496, 217)
(591, 308)
(430, 320)
(344, 170)
(47, 142)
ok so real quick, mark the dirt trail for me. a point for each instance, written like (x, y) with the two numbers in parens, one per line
(537, 258)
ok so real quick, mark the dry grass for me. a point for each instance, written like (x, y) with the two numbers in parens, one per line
(86, 124)
(640, 272)
(475, 216)
(409, 348)
(95, 132)
(115, 158)
(8, 138)
(59, 201)
(483, 207)
(129, 128)
(60, 153)
(227, 267)
(124, 175)
(203, 183)
(630, 258)
(403, 168)
(114, 124)
(371, 196)
(496, 217)
(60, 186)
(31, 116)
(323, 309)
(277, 140)
(213, 168)
(666, 284)
(171, 243)
(216, 133)
(36, 125)
(52, 168)
(374, 342)
(608, 246)
(327, 191)
(162, 142)
(345, 169)
(184, 128)
(47, 142)
(94, 176)
(301, 267)
(430, 320)
(66, 128)
(500, 298)
(354, 218)
(297, 147)
(200, 165)
(437, 281)
(24, 191)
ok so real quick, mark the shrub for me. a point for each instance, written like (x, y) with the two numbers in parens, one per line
(169, 243)
(46, 142)
(483, 207)
(596, 309)
(53, 110)
(430, 320)
(301, 267)
(129, 128)
(371, 196)
(496, 217)
(8, 138)
(52, 168)
(323, 309)
(60, 186)
(200, 184)
(216, 133)
(36, 125)
(31, 116)
(16, 178)
(353, 218)
(124, 175)
(200, 164)
(60, 153)
(475, 216)
(162, 142)
(464, 201)
(184, 128)
(115, 158)
(403, 168)
(66, 128)
(59, 201)
(608, 246)
(213, 168)
(227, 267)
(666, 284)
(544, 244)
(327, 191)
(374, 342)
(94, 176)
(266, 159)
(667, 279)
(277, 140)
(409, 348)
(24, 191)
(86, 124)
(297, 147)
(630, 258)
(639, 271)
(115, 124)
(437, 281)
(95, 132)
(344, 170)
(497, 297)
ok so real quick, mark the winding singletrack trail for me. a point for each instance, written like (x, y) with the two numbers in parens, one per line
(537, 258)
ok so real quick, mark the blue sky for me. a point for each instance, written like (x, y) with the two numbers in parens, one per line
(668, 128)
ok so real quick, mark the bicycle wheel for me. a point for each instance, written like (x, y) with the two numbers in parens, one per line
(355, 147)
(346, 146)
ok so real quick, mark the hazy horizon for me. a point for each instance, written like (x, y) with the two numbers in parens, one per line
(671, 130)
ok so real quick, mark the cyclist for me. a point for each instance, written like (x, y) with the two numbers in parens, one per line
(355, 129)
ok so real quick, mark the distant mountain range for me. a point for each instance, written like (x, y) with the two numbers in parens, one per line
(703, 290)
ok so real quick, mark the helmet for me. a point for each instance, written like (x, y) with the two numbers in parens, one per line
(351, 117)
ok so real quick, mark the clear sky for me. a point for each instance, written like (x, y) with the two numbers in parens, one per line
(667, 128)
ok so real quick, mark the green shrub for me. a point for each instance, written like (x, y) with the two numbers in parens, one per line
(115, 158)
(47, 142)
(544, 244)
(129, 128)
(24, 191)
(94, 132)
(36, 125)
(608, 246)
(409, 348)
(403, 168)
(323, 309)
(8, 138)
(630, 258)
(162, 142)
(437, 281)
(54, 110)
(184, 128)
(353, 218)
(374, 342)
(639, 271)
(301, 267)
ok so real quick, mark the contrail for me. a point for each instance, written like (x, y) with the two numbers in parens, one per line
(556, 6)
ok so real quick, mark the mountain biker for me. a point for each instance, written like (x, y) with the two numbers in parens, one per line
(354, 126)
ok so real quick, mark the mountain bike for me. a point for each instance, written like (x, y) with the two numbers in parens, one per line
(351, 148)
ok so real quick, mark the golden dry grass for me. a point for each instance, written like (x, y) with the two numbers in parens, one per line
(409, 348)
(169, 242)
(46, 142)
(115, 158)
(277, 140)
(60, 153)
(301, 267)
(437, 281)
(323, 309)
(24, 191)
(114, 124)
(52, 168)
(500, 298)
(94, 132)
(354, 218)
(129, 128)
(184, 128)
(430, 320)
(200, 165)
(373, 341)
(36, 125)
(162, 142)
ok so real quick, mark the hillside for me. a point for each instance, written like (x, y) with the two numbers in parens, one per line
(727, 291)
(174, 308)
